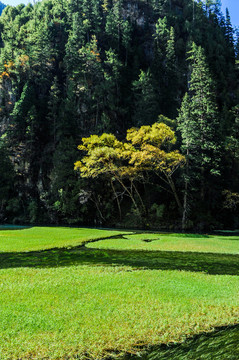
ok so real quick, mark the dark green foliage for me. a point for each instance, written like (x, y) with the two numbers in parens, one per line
(21, 111)
(70, 68)
(200, 131)
(199, 118)
(6, 178)
(62, 200)
(146, 100)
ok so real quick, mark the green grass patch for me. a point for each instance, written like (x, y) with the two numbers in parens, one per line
(63, 301)
(172, 242)
(59, 313)
(40, 238)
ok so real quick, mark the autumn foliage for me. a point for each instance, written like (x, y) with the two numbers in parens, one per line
(145, 150)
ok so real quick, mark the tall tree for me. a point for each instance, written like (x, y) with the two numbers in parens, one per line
(147, 149)
(146, 105)
(6, 178)
(200, 129)
(228, 28)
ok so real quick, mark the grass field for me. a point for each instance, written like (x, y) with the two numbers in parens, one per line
(41, 238)
(173, 242)
(82, 302)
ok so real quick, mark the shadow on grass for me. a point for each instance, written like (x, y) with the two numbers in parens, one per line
(222, 344)
(222, 264)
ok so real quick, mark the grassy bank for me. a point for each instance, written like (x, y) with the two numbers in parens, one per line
(81, 303)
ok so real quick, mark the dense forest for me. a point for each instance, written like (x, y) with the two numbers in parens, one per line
(158, 78)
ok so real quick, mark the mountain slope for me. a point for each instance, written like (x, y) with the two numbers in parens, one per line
(74, 68)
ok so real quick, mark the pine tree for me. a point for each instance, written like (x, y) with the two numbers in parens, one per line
(199, 128)
(111, 87)
(73, 7)
(237, 46)
(126, 38)
(114, 23)
(146, 109)
(20, 111)
(169, 103)
(7, 176)
(53, 109)
(75, 42)
(159, 6)
(228, 28)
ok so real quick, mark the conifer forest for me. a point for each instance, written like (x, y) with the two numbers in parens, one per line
(119, 113)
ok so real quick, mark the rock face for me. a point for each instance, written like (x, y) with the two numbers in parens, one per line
(131, 10)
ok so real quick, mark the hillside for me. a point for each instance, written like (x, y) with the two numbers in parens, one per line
(70, 69)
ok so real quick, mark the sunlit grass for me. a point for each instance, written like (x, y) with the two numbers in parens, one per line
(60, 312)
(81, 303)
(40, 238)
(172, 242)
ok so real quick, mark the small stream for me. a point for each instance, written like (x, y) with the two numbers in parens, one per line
(222, 344)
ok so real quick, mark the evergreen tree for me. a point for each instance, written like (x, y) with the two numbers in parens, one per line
(20, 111)
(228, 28)
(53, 112)
(6, 178)
(75, 42)
(126, 38)
(111, 88)
(146, 109)
(237, 46)
(232, 143)
(169, 102)
(114, 23)
(200, 129)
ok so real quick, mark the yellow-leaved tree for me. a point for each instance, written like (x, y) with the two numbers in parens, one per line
(153, 153)
(145, 150)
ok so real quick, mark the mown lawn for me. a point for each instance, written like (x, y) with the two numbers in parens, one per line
(80, 303)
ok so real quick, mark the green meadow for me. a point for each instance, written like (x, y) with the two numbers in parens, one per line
(41, 238)
(65, 297)
(173, 242)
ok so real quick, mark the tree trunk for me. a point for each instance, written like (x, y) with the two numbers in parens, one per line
(202, 189)
(185, 205)
(173, 188)
(140, 199)
(117, 199)
(130, 193)
(185, 198)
